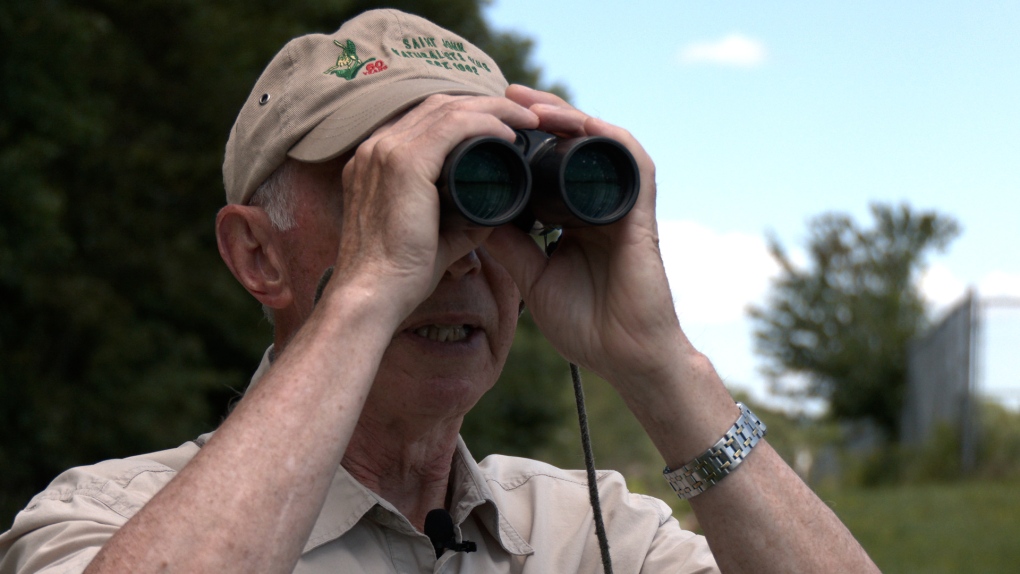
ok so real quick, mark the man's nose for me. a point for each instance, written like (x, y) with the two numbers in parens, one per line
(464, 266)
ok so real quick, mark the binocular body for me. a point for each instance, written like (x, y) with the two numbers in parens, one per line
(540, 178)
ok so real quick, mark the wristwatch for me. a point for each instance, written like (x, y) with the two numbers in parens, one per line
(719, 461)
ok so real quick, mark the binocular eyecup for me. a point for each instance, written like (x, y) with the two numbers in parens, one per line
(557, 182)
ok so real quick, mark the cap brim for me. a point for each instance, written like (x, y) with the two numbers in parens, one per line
(348, 126)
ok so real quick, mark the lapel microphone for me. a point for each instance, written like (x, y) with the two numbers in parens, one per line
(439, 529)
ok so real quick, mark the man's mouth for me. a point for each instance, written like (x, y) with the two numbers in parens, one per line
(444, 333)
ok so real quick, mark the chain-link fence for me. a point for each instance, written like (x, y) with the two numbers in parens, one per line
(969, 356)
(941, 378)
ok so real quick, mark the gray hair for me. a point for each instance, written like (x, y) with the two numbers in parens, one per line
(276, 195)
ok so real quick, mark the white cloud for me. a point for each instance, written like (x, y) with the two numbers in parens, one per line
(732, 50)
(940, 287)
(1000, 284)
(943, 289)
(713, 275)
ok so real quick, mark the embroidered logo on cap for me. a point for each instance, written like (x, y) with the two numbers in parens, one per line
(348, 63)
(441, 53)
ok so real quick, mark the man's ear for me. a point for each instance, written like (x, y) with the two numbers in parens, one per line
(248, 245)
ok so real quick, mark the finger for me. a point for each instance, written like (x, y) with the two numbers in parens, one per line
(528, 97)
(461, 117)
(508, 111)
(457, 244)
(516, 251)
(566, 122)
(453, 245)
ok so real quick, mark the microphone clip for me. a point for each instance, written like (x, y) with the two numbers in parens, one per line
(439, 529)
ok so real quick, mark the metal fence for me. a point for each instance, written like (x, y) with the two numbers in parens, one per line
(969, 356)
(941, 380)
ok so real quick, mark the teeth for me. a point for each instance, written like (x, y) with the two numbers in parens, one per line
(443, 333)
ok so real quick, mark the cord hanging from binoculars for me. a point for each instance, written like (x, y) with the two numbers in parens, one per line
(589, 466)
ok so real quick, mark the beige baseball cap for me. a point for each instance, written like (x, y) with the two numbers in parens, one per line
(323, 94)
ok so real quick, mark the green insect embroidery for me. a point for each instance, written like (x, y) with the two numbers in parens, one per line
(348, 63)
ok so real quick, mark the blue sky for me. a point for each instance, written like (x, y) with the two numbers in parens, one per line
(761, 116)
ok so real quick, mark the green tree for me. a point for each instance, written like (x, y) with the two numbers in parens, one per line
(844, 323)
(121, 331)
(531, 401)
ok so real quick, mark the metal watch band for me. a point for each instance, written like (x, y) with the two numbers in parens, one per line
(725, 455)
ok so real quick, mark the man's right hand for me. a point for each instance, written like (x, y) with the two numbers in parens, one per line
(390, 233)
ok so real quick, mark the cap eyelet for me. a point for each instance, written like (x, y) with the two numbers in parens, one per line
(264, 99)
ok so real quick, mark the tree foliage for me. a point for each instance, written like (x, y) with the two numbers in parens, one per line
(845, 322)
(531, 401)
(122, 332)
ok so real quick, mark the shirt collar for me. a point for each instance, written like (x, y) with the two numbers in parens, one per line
(471, 494)
(348, 501)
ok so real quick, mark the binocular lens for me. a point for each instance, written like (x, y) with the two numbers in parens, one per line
(485, 183)
(592, 181)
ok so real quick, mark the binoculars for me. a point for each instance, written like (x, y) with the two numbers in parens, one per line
(557, 182)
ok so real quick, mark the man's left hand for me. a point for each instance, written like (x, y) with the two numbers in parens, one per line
(602, 298)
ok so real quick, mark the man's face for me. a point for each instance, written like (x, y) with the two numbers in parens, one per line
(450, 350)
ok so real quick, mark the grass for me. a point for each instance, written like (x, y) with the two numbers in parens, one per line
(971, 527)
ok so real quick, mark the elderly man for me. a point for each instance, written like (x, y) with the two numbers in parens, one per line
(348, 436)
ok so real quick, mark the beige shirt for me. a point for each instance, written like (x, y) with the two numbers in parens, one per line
(525, 516)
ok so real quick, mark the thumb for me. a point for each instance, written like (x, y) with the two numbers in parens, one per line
(453, 245)
(519, 254)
